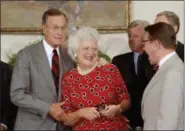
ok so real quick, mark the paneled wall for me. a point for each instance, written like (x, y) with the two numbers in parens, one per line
(112, 44)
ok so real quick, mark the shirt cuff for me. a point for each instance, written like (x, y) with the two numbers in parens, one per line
(4, 125)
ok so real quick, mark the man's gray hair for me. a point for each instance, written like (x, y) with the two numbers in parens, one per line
(84, 33)
(135, 23)
(172, 18)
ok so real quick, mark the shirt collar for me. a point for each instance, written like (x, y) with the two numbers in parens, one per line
(164, 59)
(49, 49)
(136, 53)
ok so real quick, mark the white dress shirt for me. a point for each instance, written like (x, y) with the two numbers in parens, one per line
(49, 52)
(136, 56)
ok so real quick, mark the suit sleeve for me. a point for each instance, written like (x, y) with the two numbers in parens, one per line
(12, 109)
(114, 61)
(21, 83)
(5, 97)
(171, 106)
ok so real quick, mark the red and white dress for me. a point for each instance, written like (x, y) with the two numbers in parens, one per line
(102, 85)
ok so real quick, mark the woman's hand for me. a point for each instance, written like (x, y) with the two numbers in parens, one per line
(89, 113)
(102, 62)
(111, 110)
(72, 118)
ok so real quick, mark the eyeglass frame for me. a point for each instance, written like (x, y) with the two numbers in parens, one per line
(144, 41)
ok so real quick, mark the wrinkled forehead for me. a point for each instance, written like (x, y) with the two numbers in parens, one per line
(162, 18)
(88, 43)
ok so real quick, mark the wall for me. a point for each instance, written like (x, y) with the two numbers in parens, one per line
(112, 44)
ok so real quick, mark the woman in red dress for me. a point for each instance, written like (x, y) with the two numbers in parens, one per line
(94, 96)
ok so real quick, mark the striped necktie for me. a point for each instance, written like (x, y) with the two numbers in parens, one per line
(55, 69)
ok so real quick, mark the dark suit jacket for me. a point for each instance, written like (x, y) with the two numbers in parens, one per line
(8, 110)
(135, 84)
(180, 50)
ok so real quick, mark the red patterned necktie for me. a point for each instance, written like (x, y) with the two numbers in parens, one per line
(55, 69)
(155, 67)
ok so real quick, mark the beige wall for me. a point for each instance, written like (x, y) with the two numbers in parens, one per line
(113, 44)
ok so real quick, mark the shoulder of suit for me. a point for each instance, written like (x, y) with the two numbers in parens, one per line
(178, 63)
(3, 64)
(123, 55)
(176, 68)
(180, 45)
(31, 48)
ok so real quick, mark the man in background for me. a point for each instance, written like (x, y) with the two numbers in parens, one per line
(8, 110)
(132, 71)
(172, 19)
(163, 98)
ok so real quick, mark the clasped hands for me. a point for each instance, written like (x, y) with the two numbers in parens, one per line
(57, 112)
(91, 113)
(59, 115)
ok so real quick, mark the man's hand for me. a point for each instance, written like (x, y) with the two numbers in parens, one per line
(57, 112)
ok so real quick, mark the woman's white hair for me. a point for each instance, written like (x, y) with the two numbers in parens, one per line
(84, 33)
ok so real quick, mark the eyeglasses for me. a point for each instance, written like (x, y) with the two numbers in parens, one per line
(144, 41)
(57, 28)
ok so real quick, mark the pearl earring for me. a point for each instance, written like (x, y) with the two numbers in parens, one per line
(75, 55)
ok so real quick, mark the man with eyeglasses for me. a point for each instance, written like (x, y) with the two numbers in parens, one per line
(162, 102)
(36, 76)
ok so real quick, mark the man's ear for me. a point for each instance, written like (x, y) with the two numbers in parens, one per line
(175, 28)
(43, 28)
(157, 44)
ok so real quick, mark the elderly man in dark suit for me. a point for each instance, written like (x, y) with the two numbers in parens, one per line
(35, 86)
(132, 71)
(8, 110)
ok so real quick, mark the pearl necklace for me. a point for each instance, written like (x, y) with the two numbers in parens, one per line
(81, 72)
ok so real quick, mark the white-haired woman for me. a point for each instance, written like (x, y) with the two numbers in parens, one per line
(94, 96)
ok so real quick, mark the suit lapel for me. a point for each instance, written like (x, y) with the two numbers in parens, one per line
(133, 64)
(46, 70)
(157, 76)
(65, 64)
(62, 61)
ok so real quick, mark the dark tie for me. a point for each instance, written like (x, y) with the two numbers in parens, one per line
(139, 64)
(155, 67)
(55, 68)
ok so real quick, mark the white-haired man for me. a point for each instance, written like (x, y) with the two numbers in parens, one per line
(130, 66)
